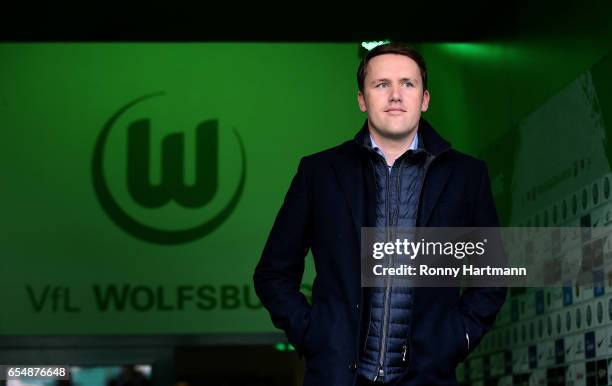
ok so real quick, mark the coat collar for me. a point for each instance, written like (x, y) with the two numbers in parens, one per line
(352, 168)
(431, 141)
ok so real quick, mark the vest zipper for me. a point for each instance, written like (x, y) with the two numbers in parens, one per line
(405, 347)
(381, 354)
(391, 221)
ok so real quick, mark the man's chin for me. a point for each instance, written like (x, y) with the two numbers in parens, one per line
(396, 134)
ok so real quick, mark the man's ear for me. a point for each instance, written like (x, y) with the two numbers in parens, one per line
(425, 102)
(361, 101)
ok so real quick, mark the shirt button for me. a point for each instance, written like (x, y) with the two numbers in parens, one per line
(352, 366)
(357, 306)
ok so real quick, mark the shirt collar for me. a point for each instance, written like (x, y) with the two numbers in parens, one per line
(413, 146)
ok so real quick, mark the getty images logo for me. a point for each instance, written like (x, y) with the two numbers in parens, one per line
(172, 186)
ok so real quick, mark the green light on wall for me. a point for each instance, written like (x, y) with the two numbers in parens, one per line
(284, 347)
(477, 51)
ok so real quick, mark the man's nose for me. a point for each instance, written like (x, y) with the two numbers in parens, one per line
(395, 94)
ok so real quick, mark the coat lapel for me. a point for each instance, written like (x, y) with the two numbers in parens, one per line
(437, 173)
(348, 170)
(360, 193)
(436, 178)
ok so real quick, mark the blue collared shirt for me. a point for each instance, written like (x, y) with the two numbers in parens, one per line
(413, 146)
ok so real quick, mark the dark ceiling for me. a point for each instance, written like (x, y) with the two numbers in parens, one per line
(225, 21)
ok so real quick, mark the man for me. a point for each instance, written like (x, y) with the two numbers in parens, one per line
(396, 172)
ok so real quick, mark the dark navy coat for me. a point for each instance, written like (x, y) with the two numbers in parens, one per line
(330, 198)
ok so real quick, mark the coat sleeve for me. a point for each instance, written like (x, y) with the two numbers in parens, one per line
(479, 305)
(278, 274)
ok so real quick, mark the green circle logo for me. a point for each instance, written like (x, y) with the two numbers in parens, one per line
(172, 186)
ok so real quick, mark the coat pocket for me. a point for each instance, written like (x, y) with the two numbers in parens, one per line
(462, 336)
(309, 342)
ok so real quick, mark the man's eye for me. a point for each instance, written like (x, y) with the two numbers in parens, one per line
(408, 84)
(380, 85)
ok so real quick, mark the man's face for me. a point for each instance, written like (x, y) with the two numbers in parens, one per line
(393, 95)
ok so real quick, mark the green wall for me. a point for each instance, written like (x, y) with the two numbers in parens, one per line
(281, 101)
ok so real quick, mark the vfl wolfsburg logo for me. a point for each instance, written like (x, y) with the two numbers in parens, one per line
(172, 186)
